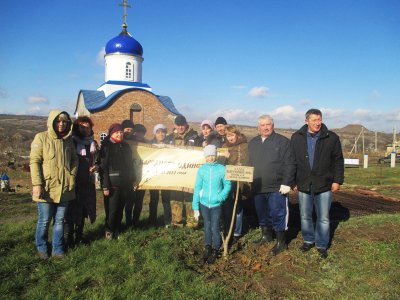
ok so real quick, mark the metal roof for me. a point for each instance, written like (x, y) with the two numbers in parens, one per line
(96, 100)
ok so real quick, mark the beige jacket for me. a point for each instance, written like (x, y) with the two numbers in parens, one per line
(54, 163)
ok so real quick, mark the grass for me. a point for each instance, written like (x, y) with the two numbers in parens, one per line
(159, 263)
(373, 176)
(380, 178)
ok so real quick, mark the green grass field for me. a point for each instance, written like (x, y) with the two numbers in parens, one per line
(159, 263)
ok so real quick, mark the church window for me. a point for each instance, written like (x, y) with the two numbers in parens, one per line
(136, 113)
(136, 107)
(128, 70)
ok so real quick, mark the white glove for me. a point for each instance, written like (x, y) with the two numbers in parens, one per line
(196, 215)
(284, 189)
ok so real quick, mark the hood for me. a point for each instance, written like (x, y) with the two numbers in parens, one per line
(52, 116)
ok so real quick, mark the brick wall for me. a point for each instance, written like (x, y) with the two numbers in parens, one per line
(152, 113)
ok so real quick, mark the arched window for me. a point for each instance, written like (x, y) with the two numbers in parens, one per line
(136, 107)
(128, 70)
(136, 113)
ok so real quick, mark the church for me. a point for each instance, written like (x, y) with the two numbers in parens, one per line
(123, 95)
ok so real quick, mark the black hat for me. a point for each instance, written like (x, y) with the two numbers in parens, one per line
(127, 124)
(180, 120)
(220, 120)
(139, 128)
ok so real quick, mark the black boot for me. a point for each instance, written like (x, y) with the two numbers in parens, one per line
(207, 252)
(213, 257)
(78, 234)
(281, 243)
(266, 235)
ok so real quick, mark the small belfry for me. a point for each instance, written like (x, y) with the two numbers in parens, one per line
(123, 95)
(123, 59)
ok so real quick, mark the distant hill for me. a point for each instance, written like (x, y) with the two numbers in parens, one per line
(17, 132)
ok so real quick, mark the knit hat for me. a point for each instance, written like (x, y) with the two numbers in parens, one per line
(114, 128)
(207, 122)
(220, 120)
(210, 150)
(159, 126)
(139, 128)
(180, 120)
(127, 124)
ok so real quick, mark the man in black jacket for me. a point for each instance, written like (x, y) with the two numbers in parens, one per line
(274, 168)
(320, 172)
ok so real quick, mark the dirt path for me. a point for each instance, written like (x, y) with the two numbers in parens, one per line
(348, 203)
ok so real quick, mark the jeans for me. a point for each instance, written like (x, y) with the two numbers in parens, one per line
(272, 210)
(46, 212)
(227, 212)
(211, 218)
(322, 203)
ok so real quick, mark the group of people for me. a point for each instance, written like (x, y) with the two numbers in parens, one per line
(65, 158)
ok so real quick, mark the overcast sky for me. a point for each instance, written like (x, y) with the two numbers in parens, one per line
(237, 59)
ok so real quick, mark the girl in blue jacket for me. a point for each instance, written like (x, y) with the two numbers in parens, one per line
(210, 191)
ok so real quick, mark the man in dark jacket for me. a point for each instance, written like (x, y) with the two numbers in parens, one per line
(183, 135)
(274, 168)
(320, 171)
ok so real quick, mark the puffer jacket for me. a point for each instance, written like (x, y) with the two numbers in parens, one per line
(211, 187)
(54, 163)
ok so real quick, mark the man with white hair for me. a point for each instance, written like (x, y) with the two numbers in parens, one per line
(274, 168)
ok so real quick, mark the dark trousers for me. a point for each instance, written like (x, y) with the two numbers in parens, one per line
(134, 202)
(272, 210)
(165, 198)
(114, 207)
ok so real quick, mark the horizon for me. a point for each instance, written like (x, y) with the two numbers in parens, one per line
(252, 126)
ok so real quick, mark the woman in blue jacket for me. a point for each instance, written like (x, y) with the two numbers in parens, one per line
(210, 191)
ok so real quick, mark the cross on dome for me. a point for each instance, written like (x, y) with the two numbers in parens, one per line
(125, 5)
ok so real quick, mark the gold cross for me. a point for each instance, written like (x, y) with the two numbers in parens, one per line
(125, 5)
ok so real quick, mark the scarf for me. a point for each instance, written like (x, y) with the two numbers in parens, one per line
(82, 143)
(115, 141)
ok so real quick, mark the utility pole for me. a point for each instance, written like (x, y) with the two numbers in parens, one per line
(355, 144)
(376, 141)
(363, 143)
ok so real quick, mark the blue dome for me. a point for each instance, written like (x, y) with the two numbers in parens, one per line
(124, 43)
